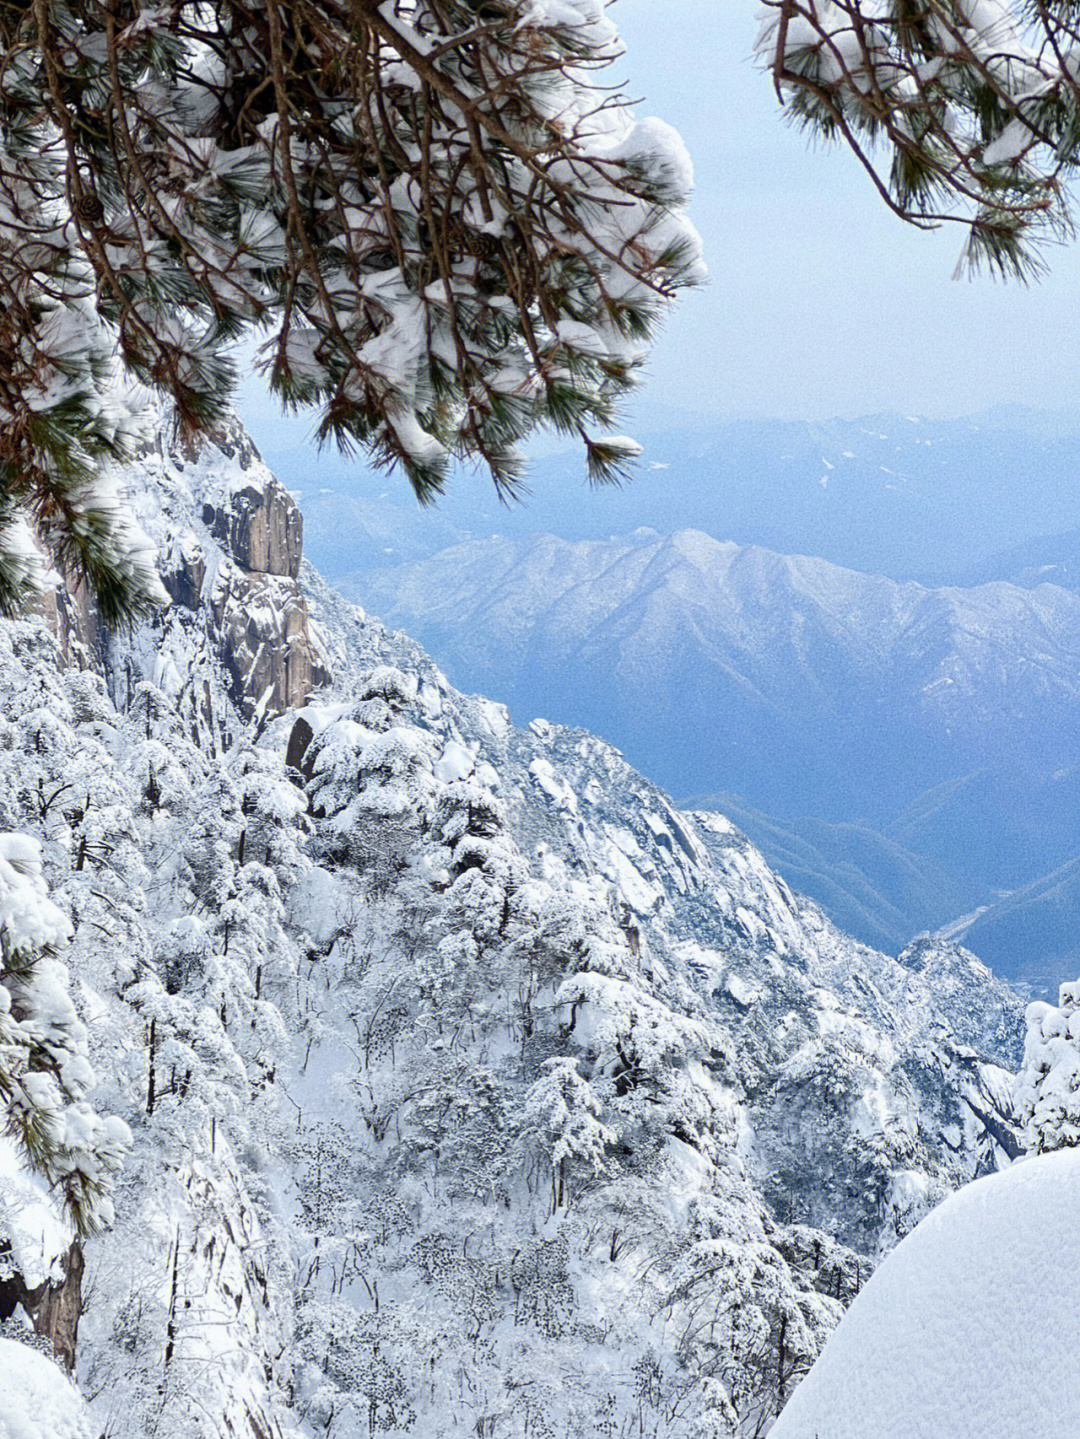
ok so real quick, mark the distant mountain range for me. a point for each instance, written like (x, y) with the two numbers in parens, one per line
(926, 740)
(782, 677)
(911, 499)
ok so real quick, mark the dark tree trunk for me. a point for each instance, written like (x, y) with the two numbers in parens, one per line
(53, 1309)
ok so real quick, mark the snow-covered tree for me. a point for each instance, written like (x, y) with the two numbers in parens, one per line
(44, 1071)
(1048, 1085)
(960, 110)
(445, 222)
(561, 1117)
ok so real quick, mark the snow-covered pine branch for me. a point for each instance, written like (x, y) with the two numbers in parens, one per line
(441, 216)
(960, 110)
(44, 1073)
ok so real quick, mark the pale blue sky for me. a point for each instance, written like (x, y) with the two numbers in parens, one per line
(820, 302)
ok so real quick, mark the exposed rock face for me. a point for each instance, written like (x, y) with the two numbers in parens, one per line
(258, 615)
(236, 577)
(296, 754)
(262, 529)
(183, 572)
(261, 623)
(73, 618)
(53, 1309)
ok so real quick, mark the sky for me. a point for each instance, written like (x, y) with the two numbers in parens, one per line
(820, 303)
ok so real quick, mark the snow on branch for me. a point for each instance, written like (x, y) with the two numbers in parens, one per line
(964, 111)
(409, 200)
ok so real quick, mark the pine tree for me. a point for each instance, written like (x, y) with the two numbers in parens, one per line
(960, 111)
(1047, 1094)
(443, 220)
(44, 1073)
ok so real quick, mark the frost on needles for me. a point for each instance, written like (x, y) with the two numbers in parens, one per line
(44, 1071)
(962, 112)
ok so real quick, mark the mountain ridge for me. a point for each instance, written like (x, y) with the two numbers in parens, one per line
(944, 720)
(901, 496)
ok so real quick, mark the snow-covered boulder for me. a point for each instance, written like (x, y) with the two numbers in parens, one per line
(968, 1329)
(36, 1400)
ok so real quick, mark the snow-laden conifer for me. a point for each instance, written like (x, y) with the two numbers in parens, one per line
(961, 111)
(442, 221)
(1048, 1085)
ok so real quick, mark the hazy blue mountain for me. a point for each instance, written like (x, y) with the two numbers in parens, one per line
(805, 687)
(911, 499)
(1034, 931)
(883, 893)
(1006, 824)
(350, 529)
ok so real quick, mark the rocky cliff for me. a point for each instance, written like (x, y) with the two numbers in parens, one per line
(230, 558)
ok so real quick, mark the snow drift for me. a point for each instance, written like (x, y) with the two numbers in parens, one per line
(969, 1328)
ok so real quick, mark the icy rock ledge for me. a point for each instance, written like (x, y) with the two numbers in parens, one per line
(969, 1328)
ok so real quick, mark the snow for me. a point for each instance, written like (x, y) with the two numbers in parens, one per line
(36, 1400)
(31, 1225)
(28, 918)
(1010, 144)
(968, 1329)
(456, 762)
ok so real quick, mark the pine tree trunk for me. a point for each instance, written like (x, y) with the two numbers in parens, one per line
(151, 1077)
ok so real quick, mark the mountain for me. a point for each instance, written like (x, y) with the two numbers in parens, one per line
(795, 682)
(887, 494)
(1040, 919)
(473, 1087)
(1045, 560)
(875, 889)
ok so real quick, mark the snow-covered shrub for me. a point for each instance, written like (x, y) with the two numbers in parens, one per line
(1048, 1085)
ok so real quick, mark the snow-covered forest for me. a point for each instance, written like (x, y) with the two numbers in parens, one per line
(371, 1065)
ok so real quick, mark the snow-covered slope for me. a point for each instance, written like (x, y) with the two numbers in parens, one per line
(968, 1329)
(475, 1090)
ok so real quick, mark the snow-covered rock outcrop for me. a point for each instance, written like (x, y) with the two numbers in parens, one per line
(474, 1089)
(230, 546)
(968, 1329)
